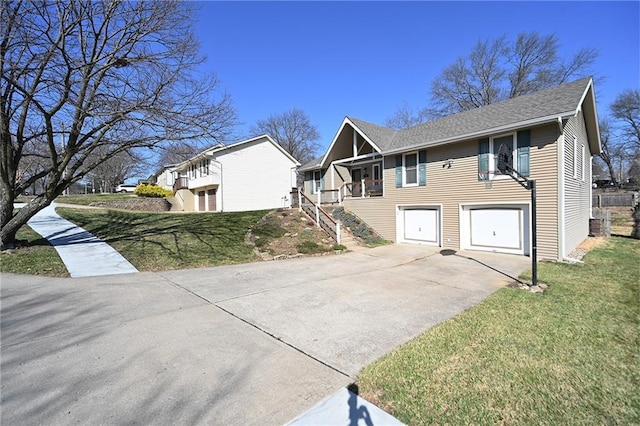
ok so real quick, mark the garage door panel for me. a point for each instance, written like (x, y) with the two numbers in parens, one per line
(498, 228)
(422, 225)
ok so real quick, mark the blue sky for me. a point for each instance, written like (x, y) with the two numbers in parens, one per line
(364, 59)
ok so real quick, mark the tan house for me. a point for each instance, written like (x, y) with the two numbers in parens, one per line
(253, 174)
(437, 183)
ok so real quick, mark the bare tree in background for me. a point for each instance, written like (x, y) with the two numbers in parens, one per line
(176, 153)
(406, 116)
(498, 69)
(610, 150)
(293, 131)
(83, 82)
(626, 109)
(115, 170)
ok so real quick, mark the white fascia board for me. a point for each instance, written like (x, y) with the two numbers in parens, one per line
(335, 138)
(359, 157)
(376, 147)
(486, 132)
(256, 139)
(584, 95)
(204, 154)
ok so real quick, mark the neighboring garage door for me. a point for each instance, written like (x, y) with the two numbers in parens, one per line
(497, 229)
(421, 225)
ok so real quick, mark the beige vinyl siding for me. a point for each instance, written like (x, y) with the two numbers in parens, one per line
(577, 190)
(459, 185)
(343, 147)
(340, 176)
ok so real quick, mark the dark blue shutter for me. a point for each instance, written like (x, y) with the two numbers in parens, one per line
(422, 168)
(398, 171)
(524, 142)
(483, 159)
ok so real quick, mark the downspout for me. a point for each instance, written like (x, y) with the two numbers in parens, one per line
(590, 186)
(221, 187)
(561, 177)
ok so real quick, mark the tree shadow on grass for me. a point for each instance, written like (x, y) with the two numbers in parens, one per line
(183, 240)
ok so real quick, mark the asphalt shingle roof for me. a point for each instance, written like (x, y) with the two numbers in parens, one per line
(545, 103)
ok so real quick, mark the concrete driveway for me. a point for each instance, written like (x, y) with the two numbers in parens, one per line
(255, 343)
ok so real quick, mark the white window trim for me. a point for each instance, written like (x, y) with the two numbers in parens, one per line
(575, 157)
(582, 163)
(404, 170)
(316, 188)
(492, 155)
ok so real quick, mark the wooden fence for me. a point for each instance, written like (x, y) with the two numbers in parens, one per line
(628, 199)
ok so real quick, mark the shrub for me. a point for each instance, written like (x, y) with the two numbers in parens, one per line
(310, 247)
(152, 191)
(358, 227)
(265, 232)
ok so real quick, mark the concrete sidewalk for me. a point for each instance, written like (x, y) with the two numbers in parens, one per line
(83, 254)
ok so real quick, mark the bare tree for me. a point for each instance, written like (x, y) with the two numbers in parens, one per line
(497, 69)
(116, 169)
(626, 109)
(406, 116)
(610, 150)
(293, 131)
(177, 153)
(83, 82)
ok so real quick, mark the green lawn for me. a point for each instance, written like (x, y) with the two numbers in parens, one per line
(570, 356)
(38, 258)
(163, 241)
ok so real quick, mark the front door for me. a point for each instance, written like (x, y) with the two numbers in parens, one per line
(211, 200)
(201, 204)
(356, 178)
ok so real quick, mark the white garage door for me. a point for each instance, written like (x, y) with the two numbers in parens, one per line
(498, 229)
(422, 225)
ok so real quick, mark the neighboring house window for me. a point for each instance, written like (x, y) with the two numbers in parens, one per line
(516, 143)
(411, 169)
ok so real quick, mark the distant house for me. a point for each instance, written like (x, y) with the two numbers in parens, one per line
(438, 184)
(253, 174)
(164, 176)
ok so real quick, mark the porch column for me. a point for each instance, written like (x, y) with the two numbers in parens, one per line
(362, 188)
(355, 143)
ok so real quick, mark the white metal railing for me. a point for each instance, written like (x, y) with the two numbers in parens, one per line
(322, 218)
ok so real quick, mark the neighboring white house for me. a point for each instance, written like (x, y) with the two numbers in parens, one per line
(254, 174)
(164, 176)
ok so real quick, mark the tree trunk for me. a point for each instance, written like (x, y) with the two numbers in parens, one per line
(7, 233)
(10, 223)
